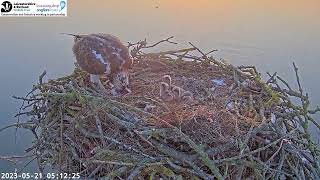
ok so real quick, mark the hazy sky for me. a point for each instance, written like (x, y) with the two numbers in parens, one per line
(267, 33)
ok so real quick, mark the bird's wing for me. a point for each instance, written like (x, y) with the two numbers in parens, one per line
(90, 56)
(117, 52)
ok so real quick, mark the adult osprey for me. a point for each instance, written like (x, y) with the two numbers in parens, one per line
(104, 54)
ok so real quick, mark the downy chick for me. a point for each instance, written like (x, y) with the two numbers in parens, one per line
(182, 95)
(165, 93)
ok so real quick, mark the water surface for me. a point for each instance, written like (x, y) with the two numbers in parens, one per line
(268, 34)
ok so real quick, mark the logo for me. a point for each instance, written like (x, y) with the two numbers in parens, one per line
(62, 5)
(7, 6)
(33, 8)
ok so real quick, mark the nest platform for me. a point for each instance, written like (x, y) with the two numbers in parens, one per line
(238, 125)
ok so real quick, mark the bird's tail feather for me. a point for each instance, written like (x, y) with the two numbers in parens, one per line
(75, 35)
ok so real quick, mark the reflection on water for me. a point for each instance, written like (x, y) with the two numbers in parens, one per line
(269, 34)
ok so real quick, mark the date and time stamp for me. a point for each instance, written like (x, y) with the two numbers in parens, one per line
(39, 175)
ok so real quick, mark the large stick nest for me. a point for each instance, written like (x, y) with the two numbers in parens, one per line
(242, 127)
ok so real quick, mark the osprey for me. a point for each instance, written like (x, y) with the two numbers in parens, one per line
(104, 54)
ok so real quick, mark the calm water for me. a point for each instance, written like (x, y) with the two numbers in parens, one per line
(268, 34)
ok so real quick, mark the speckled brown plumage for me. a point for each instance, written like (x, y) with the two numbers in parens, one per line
(113, 52)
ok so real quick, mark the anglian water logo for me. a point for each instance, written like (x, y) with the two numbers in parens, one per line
(62, 5)
(7, 6)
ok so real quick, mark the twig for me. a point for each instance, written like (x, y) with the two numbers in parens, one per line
(61, 139)
(275, 153)
(41, 77)
(94, 172)
(204, 55)
(271, 79)
(90, 134)
(135, 172)
(18, 125)
(98, 124)
(203, 156)
(112, 163)
(21, 170)
(164, 40)
(254, 151)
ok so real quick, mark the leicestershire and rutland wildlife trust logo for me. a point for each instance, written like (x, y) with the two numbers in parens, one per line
(33, 8)
(6, 6)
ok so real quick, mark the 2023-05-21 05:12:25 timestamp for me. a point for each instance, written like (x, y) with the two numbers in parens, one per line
(16, 175)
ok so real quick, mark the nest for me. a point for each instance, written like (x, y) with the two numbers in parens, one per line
(240, 127)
